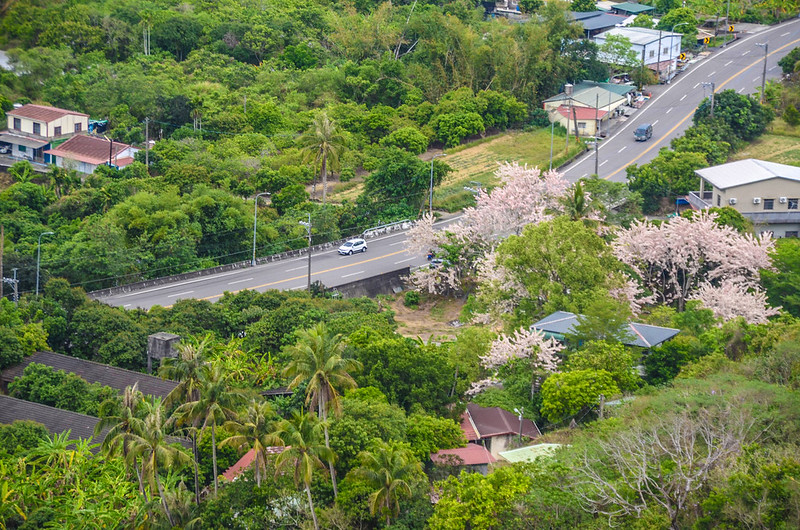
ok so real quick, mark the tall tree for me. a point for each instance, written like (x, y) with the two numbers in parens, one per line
(304, 451)
(317, 359)
(214, 406)
(149, 442)
(324, 143)
(254, 430)
(187, 368)
(389, 470)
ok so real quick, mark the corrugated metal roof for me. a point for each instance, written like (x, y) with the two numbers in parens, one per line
(494, 421)
(116, 378)
(530, 453)
(42, 112)
(471, 455)
(640, 36)
(27, 141)
(630, 7)
(641, 335)
(747, 171)
(88, 149)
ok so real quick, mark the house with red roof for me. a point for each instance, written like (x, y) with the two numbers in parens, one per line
(32, 129)
(84, 153)
(495, 428)
(247, 460)
(473, 457)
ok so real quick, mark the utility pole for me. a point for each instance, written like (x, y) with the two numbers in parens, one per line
(596, 136)
(2, 247)
(764, 72)
(147, 143)
(568, 92)
(658, 64)
(727, 22)
(308, 228)
(15, 283)
(711, 84)
(641, 71)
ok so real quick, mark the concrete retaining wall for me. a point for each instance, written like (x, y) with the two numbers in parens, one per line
(391, 282)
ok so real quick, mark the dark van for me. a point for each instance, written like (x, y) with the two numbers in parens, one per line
(643, 132)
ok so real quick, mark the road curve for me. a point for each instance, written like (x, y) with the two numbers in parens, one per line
(738, 66)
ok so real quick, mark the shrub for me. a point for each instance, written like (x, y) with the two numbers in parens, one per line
(411, 299)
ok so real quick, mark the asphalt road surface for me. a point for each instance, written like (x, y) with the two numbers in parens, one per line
(384, 254)
(738, 66)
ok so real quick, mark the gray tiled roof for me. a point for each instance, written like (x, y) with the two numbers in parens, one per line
(116, 378)
(55, 420)
(642, 335)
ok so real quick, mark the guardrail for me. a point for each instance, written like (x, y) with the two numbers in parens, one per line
(405, 224)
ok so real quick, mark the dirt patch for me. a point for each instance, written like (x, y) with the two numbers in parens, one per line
(432, 318)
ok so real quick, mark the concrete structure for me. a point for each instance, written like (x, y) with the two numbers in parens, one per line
(646, 43)
(767, 193)
(32, 129)
(84, 153)
(159, 346)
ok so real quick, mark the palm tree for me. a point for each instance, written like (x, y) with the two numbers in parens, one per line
(304, 451)
(324, 143)
(214, 405)
(122, 427)
(388, 470)
(317, 359)
(186, 368)
(577, 204)
(149, 442)
(255, 430)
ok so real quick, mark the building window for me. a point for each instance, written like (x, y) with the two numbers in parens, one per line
(57, 131)
(791, 233)
(581, 125)
(22, 148)
(37, 128)
(652, 53)
(719, 199)
(793, 204)
(17, 124)
(78, 127)
(666, 50)
(769, 204)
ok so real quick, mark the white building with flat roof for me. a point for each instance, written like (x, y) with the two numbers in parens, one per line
(658, 50)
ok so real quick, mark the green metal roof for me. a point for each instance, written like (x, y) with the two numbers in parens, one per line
(633, 9)
(530, 453)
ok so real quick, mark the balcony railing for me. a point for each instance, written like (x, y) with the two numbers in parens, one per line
(701, 203)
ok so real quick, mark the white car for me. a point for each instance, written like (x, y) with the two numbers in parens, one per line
(353, 245)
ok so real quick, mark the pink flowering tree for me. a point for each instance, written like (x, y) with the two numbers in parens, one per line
(526, 345)
(526, 196)
(696, 258)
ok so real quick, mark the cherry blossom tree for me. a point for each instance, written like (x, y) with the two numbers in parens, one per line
(526, 196)
(528, 344)
(682, 258)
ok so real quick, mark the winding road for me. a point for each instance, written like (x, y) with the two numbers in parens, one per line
(738, 66)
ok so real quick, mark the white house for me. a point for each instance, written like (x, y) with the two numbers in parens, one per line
(767, 193)
(84, 153)
(33, 128)
(658, 50)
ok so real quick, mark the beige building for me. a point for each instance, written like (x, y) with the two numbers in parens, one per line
(33, 129)
(586, 98)
(767, 193)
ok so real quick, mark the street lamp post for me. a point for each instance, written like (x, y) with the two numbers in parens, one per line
(765, 45)
(255, 220)
(519, 412)
(669, 66)
(430, 196)
(308, 229)
(39, 258)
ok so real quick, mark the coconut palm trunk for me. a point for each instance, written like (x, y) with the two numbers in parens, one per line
(323, 413)
(324, 176)
(311, 504)
(214, 455)
(163, 496)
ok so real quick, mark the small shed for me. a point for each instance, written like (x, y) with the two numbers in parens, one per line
(629, 8)
(473, 457)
